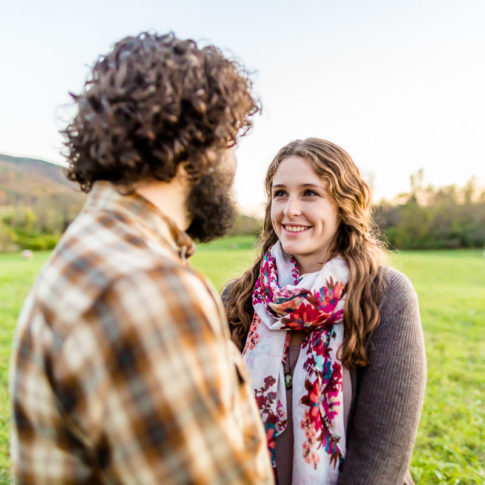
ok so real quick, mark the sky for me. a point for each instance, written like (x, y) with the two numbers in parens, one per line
(399, 84)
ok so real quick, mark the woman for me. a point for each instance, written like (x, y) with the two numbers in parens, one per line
(331, 336)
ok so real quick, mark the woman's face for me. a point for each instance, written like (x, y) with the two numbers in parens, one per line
(304, 216)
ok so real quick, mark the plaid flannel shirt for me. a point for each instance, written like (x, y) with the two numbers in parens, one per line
(122, 370)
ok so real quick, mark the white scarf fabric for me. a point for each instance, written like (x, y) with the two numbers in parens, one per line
(282, 300)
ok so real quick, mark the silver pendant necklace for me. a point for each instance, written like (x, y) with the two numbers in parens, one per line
(288, 376)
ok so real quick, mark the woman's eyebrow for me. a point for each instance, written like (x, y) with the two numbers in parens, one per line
(312, 185)
(301, 185)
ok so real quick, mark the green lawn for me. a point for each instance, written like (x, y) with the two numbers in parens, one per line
(450, 448)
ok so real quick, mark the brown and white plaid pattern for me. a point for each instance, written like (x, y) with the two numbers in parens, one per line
(122, 370)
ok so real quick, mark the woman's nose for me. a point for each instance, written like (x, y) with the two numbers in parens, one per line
(292, 207)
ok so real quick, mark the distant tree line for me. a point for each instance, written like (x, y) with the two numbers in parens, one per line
(40, 225)
(427, 217)
(431, 217)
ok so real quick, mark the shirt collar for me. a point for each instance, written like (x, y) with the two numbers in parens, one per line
(140, 211)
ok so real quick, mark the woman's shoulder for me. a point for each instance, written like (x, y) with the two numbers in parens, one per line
(399, 318)
(397, 291)
(394, 280)
(226, 290)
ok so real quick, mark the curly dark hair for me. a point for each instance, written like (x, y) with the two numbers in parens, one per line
(153, 102)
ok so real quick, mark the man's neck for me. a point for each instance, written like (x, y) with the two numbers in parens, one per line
(170, 197)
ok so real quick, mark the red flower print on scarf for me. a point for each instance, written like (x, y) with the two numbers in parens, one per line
(253, 336)
(265, 398)
(322, 398)
(304, 316)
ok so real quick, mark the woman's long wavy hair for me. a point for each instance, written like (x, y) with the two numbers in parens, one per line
(355, 241)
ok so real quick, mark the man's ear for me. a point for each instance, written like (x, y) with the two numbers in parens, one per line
(182, 176)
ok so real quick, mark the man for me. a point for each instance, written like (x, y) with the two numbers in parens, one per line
(123, 371)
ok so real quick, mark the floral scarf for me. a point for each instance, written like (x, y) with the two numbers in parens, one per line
(283, 300)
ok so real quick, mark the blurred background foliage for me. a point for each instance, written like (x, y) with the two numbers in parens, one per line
(37, 203)
(431, 217)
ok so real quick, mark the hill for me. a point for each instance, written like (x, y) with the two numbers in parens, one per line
(37, 203)
(25, 181)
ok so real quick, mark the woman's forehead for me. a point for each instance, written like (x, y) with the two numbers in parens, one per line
(296, 170)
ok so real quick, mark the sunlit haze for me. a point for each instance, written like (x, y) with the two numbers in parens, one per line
(399, 84)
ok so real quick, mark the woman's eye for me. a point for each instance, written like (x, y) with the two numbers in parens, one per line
(309, 193)
(279, 193)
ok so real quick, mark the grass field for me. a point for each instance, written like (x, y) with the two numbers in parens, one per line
(450, 448)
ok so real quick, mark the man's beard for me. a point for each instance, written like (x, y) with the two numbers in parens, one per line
(211, 206)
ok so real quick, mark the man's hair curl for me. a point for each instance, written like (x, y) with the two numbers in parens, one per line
(152, 103)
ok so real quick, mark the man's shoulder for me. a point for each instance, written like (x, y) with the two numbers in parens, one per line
(166, 279)
(95, 256)
(113, 244)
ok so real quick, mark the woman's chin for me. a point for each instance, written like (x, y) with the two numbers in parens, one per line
(291, 249)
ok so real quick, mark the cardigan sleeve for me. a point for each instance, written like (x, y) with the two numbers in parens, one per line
(389, 392)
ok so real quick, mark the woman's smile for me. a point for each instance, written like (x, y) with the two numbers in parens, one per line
(295, 229)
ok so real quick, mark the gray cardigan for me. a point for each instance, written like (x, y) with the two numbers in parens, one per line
(387, 394)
